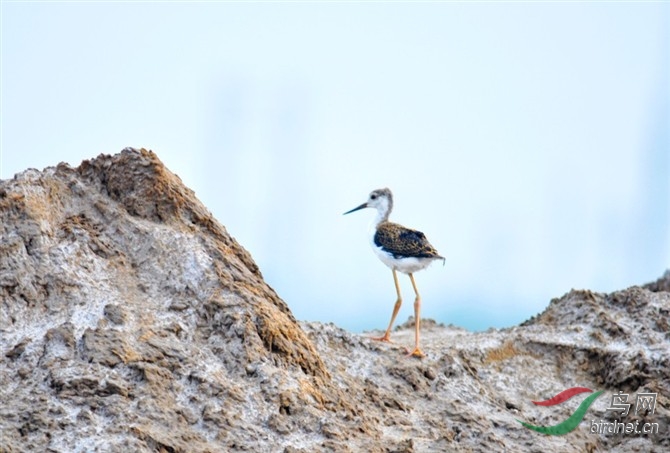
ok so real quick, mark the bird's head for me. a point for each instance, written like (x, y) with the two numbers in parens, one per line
(380, 199)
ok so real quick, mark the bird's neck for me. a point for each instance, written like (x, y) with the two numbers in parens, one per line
(382, 215)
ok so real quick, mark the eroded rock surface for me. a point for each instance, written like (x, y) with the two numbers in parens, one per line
(131, 321)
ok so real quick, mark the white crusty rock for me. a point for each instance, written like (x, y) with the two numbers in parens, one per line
(130, 320)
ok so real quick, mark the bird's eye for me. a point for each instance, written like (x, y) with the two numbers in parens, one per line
(373, 197)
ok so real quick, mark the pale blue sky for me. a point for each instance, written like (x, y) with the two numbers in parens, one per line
(529, 141)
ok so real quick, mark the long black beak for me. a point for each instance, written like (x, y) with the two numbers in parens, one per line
(364, 205)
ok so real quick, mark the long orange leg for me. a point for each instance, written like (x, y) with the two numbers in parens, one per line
(396, 308)
(417, 321)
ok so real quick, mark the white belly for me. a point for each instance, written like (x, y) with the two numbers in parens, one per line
(404, 265)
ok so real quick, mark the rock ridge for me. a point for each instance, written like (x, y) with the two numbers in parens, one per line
(130, 320)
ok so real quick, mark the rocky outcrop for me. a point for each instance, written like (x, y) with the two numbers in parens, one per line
(131, 321)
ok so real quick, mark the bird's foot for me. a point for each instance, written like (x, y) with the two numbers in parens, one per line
(386, 338)
(418, 353)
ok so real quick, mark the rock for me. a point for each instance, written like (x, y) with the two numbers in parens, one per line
(131, 321)
(119, 290)
(660, 285)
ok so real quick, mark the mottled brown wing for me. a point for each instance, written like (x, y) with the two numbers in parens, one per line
(403, 242)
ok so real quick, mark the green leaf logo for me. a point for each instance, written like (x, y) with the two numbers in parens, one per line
(571, 422)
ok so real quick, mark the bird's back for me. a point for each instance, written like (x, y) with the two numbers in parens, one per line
(402, 242)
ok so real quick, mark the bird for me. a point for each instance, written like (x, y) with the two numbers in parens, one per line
(401, 249)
